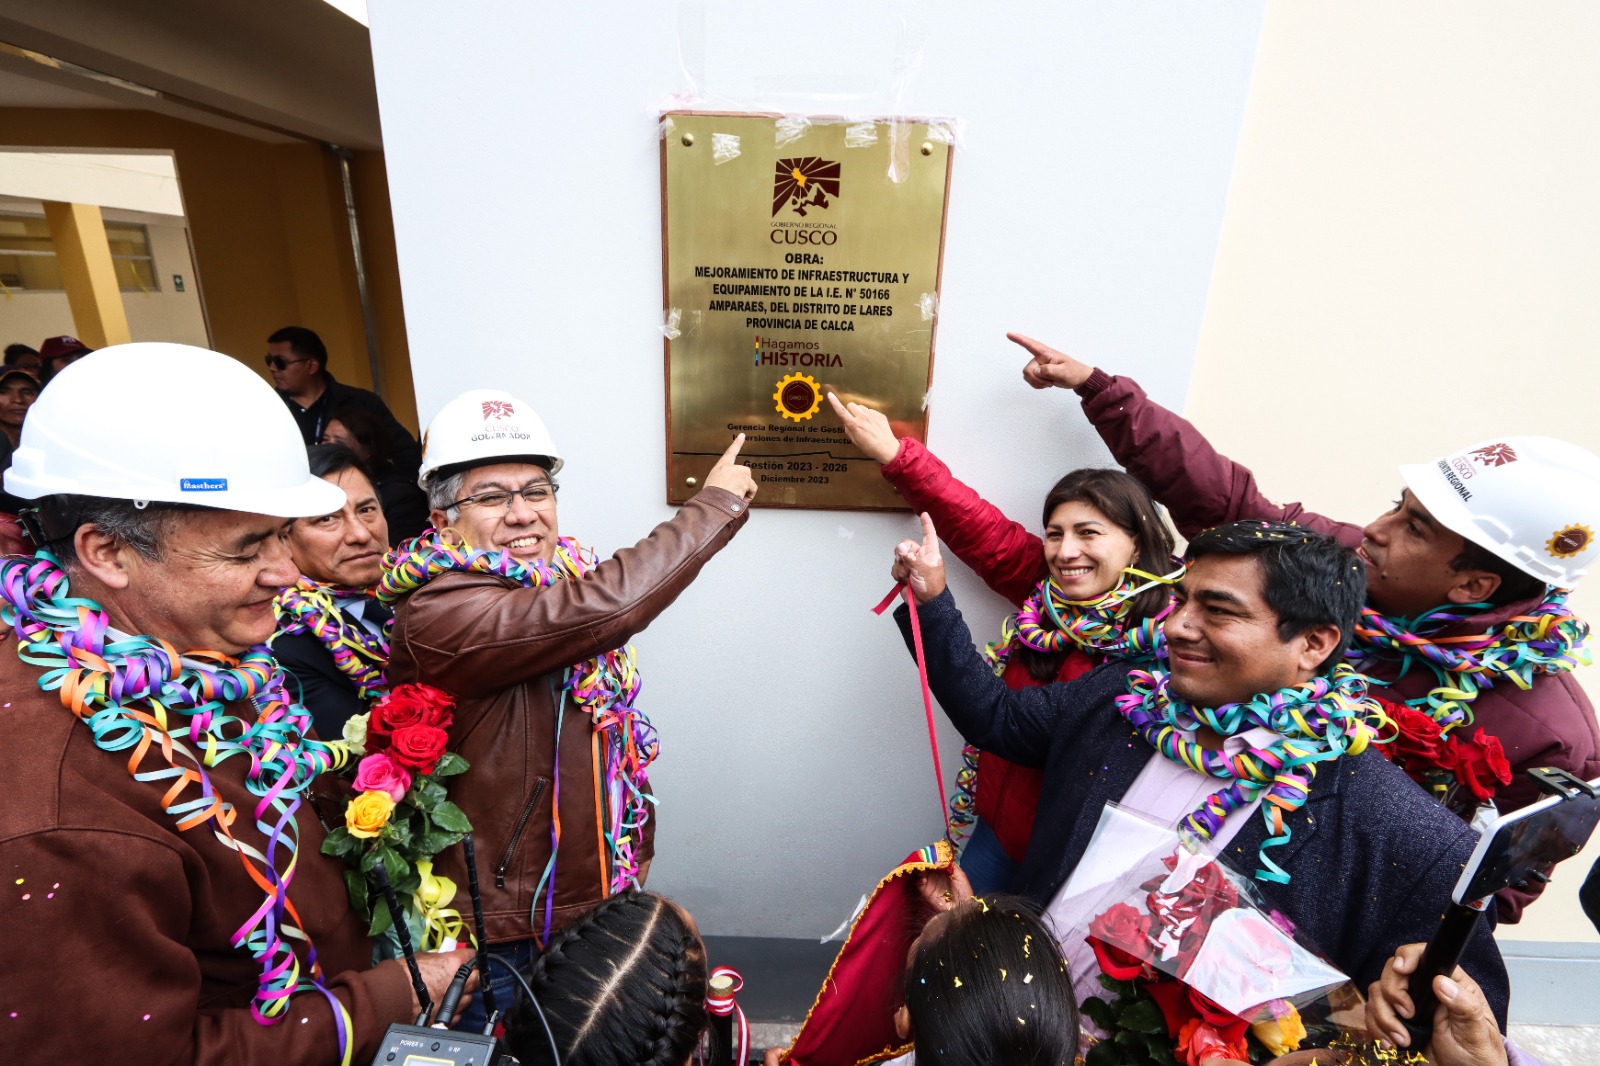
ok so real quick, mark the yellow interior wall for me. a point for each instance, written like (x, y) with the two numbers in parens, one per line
(270, 234)
(1409, 262)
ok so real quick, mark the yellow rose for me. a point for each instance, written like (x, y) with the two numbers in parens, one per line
(368, 813)
(1281, 1033)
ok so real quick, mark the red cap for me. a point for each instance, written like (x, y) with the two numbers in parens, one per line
(55, 347)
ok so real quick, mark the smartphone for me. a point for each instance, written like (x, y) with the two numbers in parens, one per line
(1531, 840)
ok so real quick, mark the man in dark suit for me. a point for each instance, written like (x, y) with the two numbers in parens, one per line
(1263, 608)
(333, 636)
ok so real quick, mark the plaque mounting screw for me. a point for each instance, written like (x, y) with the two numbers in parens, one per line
(688, 140)
(691, 482)
(927, 147)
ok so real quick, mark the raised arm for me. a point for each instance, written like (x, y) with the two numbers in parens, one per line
(1014, 724)
(1199, 486)
(470, 634)
(1005, 554)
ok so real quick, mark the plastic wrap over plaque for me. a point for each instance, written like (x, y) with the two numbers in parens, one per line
(790, 128)
(724, 147)
(809, 262)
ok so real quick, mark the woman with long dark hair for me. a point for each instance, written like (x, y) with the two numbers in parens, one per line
(1094, 587)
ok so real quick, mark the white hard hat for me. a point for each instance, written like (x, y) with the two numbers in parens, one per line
(167, 422)
(1532, 501)
(484, 426)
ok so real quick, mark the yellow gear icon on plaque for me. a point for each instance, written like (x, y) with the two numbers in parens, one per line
(798, 397)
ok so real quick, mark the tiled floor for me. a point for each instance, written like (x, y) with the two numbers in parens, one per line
(1556, 1045)
(1560, 1045)
(776, 1034)
(782, 977)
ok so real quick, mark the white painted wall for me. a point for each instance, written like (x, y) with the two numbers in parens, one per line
(1409, 263)
(524, 174)
(163, 314)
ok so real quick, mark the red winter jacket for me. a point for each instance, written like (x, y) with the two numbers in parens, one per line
(1551, 724)
(1011, 561)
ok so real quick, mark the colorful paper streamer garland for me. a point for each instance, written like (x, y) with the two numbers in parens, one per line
(1049, 622)
(606, 687)
(1547, 640)
(358, 653)
(137, 694)
(1319, 721)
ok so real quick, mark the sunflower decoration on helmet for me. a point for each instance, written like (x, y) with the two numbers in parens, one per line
(1569, 541)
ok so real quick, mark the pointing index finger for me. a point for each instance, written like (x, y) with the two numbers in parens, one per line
(1030, 345)
(732, 454)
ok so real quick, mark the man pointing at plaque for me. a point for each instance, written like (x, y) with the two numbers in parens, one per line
(528, 630)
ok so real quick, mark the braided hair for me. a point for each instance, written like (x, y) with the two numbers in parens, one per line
(623, 985)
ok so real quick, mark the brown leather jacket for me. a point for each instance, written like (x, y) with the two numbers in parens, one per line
(115, 927)
(500, 649)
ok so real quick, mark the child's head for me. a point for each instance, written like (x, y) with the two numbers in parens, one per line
(623, 985)
(986, 983)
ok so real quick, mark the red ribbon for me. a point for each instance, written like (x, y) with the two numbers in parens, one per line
(927, 697)
(723, 1006)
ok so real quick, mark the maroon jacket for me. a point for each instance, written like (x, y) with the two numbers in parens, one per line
(1010, 560)
(1551, 724)
(115, 927)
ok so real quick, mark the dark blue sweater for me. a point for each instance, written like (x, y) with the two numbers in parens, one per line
(1372, 858)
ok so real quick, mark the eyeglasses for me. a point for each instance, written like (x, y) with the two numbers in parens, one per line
(278, 362)
(540, 497)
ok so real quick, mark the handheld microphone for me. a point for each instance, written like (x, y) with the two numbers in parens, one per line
(404, 934)
(480, 929)
(417, 1044)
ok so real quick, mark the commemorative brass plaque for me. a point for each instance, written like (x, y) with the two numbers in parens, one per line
(800, 258)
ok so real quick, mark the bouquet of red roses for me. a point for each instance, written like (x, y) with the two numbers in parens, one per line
(1196, 962)
(1461, 773)
(401, 815)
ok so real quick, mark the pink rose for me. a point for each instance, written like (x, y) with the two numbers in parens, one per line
(379, 773)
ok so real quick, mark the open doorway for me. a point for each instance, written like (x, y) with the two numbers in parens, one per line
(141, 205)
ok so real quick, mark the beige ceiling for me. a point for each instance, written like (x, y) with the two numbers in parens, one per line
(273, 70)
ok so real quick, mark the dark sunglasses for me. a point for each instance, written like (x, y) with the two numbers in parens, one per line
(278, 362)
